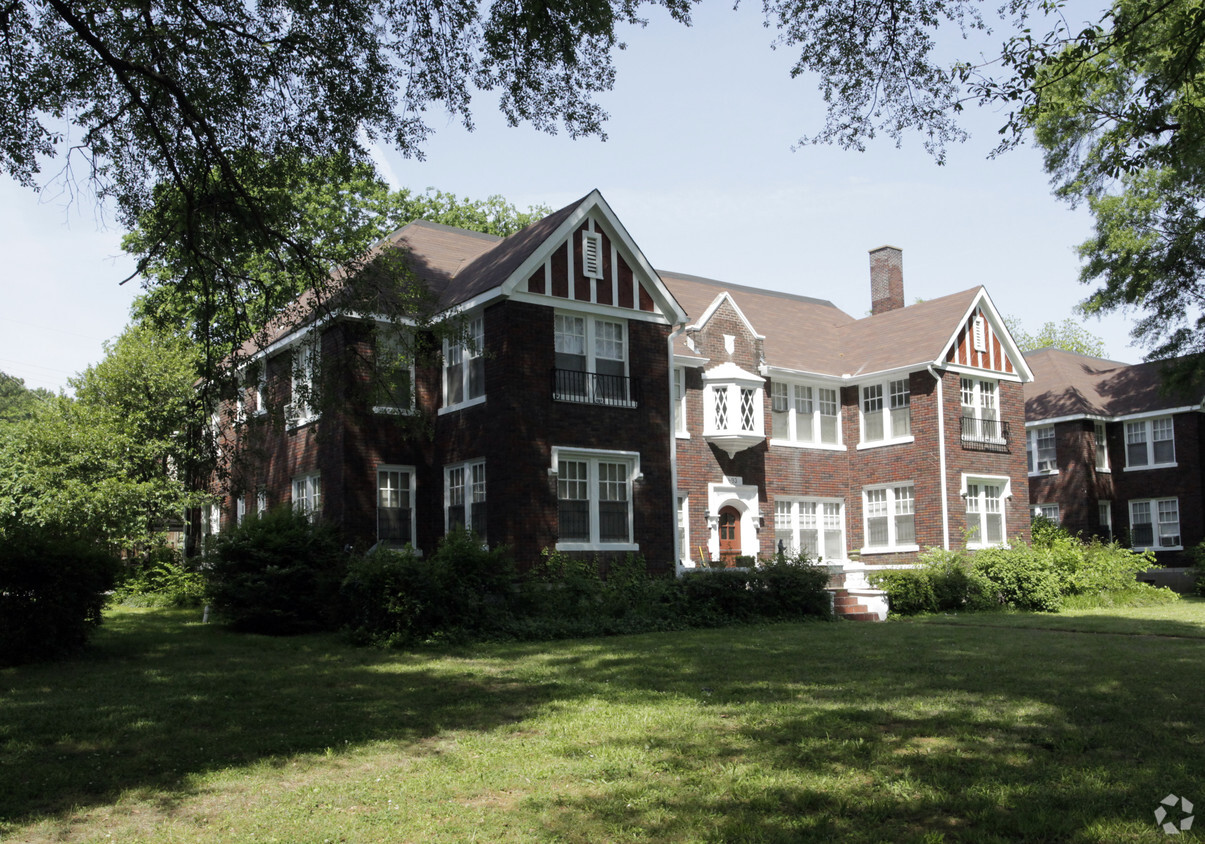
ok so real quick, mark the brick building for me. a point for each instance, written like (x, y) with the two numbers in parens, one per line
(595, 405)
(1111, 453)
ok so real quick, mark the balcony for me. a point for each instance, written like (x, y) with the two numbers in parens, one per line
(592, 388)
(985, 435)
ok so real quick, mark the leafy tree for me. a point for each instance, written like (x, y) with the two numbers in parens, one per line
(110, 465)
(1068, 335)
(1116, 108)
(18, 402)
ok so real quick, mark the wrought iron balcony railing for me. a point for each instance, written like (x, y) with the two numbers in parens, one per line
(593, 388)
(985, 435)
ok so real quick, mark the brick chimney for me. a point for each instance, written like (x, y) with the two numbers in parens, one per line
(886, 279)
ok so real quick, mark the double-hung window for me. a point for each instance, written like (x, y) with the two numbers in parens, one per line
(464, 365)
(1155, 524)
(307, 495)
(802, 413)
(303, 404)
(1106, 519)
(594, 499)
(812, 527)
(591, 360)
(980, 410)
(683, 528)
(1102, 447)
(1047, 511)
(464, 498)
(395, 505)
(985, 512)
(1150, 443)
(890, 518)
(1040, 450)
(393, 378)
(886, 412)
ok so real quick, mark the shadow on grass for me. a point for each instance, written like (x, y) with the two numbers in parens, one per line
(818, 732)
(908, 732)
(157, 700)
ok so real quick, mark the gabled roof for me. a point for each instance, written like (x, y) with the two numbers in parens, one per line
(1067, 384)
(811, 335)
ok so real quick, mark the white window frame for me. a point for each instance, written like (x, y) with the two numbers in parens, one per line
(984, 406)
(1105, 516)
(683, 514)
(468, 353)
(979, 504)
(307, 495)
(897, 504)
(240, 509)
(1102, 446)
(304, 367)
(388, 351)
(594, 459)
(464, 486)
(1156, 510)
(1032, 436)
(595, 338)
(260, 389)
(1143, 431)
(795, 515)
(261, 502)
(410, 485)
(211, 519)
(1048, 511)
(679, 387)
(891, 395)
(804, 426)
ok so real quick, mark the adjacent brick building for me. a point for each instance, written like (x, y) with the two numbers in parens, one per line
(1111, 453)
(594, 405)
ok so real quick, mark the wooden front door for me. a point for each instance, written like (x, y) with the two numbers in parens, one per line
(730, 535)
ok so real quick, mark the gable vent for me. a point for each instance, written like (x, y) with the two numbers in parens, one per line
(592, 254)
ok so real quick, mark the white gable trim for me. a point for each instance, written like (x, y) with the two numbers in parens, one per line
(983, 301)
(667, 307)
(698, 324)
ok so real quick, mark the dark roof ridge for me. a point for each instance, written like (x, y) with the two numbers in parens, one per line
(747, 288)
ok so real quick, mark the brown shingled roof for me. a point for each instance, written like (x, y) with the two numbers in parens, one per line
(1071, 384)
(814, 335)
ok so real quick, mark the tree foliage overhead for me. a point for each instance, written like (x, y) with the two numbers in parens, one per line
(18, 402)
(1070, 335)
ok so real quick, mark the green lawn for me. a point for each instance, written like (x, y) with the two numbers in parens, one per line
(978, 728)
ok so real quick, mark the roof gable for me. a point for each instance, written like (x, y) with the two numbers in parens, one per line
(983, 341)
(1067, 384)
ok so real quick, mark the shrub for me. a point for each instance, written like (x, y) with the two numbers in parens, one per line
(1088, 567)
(909, 591)
(52, 591)
(160, 578)
(1022, 577)
(276, 573)
(463, 590)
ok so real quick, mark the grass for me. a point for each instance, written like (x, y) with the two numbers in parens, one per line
(986, 728)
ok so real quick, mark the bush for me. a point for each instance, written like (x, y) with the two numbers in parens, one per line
(1088, 567)
(909, 591)
(461, 591)
(276, 573)
(160, 578)
(52, 591)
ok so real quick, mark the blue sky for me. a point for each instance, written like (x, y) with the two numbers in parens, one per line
(700, 167)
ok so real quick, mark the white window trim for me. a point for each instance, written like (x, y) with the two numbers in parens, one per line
(397, 410)
(240, 509)
(678, 386)
(1100, 431)
(885, 386)
(1006, 494)
(1148, 425)
(590, 341)
(472, 347)
(304, 365)
(261, 502)
(313, 484)
(1154, 508)
(682, 513)
(1041, 510)
(467, 467)
(594, 456)
(392, 467)
(793, 419)
(978, 407)
(1031, 447)
(1105, 508)
(891, 547)
(796, 527)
